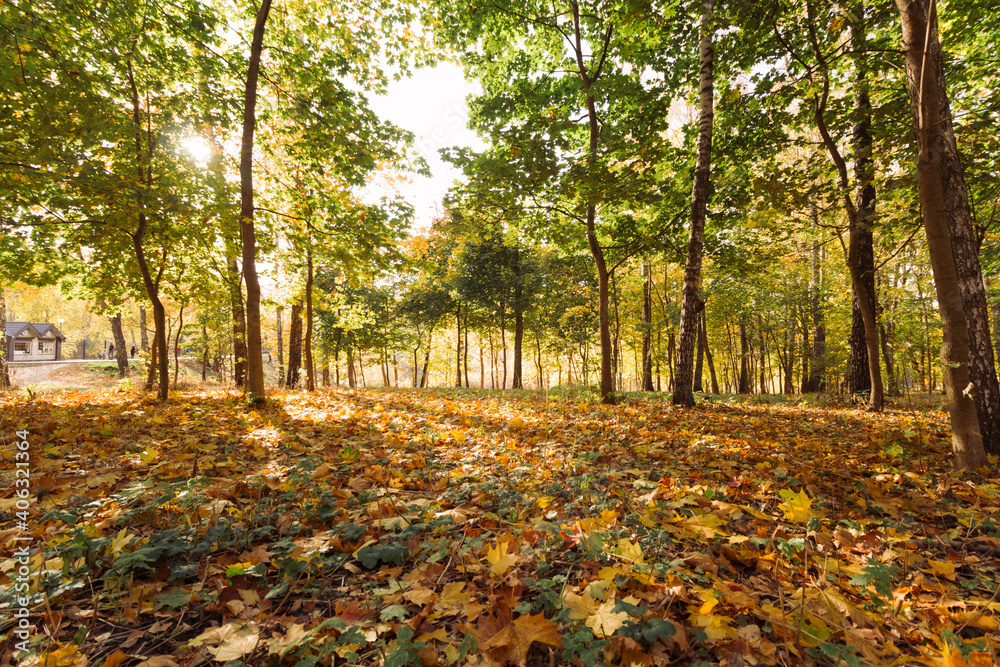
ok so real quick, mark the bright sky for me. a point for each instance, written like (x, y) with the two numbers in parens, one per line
(431, 104)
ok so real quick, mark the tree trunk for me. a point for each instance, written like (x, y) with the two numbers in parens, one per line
(177, 344)
(307, 342)
(744, 383)
(152, 285)
(4, 348)
(700, 359)
(861, 236)
(616, 363)
(121, 353)
(295, 347)
(857, 224)
(281, 348)
(690, 301)
(465, 349)
(607, 388)
(425, 377)
(458, 346)
(943, 198)
(204, 356)
(647, 328)
(239, 323)
(143, 333)
(518, 382)
(503, 344)
(255, 362)
(153, 368)
(817, 367)
(708, 353)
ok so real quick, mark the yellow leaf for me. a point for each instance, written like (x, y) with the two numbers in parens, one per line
(66, 656)
(606, 621)
(580, 606)
(629, 551)
(149, 455)
(716, 627)
(797, 507)
(500, 560)
(711, 601)
(942, 568)
(120, 542)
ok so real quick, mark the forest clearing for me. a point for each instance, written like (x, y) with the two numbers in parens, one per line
(433, 527)
(436, 332)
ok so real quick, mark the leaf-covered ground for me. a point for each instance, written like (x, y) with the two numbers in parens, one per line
(448, 527)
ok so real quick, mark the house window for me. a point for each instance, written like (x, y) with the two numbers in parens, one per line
(46, 346)
(22, 347)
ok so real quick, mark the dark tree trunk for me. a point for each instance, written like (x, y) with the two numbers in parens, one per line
(744, 383)
(857, 224)
(239, 324)
(518, 382)
(153, 368)
(295, 347)
(700, 358)
(762, 353)
(588, 79)
(458, 346)
(690, 301)
(647, 328)
(503, 344)
(177, 344)
(204, 355)
(708, 353)
(144, 170)
(143, 332)
(121, 353)
(861, 237)
(255, 362)
(817, 367)
(944, 203)
(4, 347)
(281, 349)
(307, 342)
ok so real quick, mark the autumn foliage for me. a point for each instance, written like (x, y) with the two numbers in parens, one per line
(417, 527)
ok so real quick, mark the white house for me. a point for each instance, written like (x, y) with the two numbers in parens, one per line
(33, 341)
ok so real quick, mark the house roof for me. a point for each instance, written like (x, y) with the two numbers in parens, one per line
(36, 329)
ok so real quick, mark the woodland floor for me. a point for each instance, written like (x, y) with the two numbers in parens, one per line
(442, 527)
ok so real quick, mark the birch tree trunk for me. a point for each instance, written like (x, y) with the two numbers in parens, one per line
(688, 335)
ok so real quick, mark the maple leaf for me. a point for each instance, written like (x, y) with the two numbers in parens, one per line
(715, 626)
(519, 635)
(605, 621)
(797, 506)
(580, 606)
(500, 560)
(233, 641)
(941, 568)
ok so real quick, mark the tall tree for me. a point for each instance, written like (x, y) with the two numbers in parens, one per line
(944, 204)
(690, 299)
(255, 362)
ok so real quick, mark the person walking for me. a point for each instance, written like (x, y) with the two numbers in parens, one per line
(132, 352)
(111, 351)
